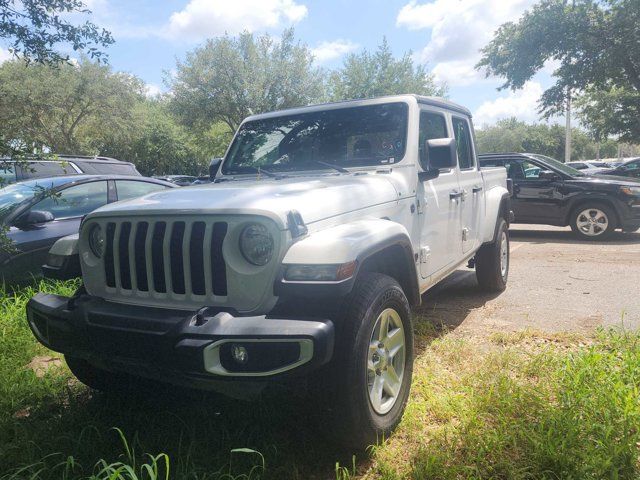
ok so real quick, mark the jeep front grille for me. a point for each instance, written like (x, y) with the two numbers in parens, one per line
(160, 257)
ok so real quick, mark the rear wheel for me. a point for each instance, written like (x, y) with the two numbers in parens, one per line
(373, 366)
(492, 261)
(593, 221)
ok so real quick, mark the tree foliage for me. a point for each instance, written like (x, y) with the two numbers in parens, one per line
(596, 44)
(230, 78)
(159, 145)
(37, 30)
(69, 108)
(512, 135)
(367, 74)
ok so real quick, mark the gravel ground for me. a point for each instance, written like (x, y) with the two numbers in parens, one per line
(556, 283)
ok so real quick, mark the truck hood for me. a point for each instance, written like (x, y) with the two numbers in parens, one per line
(315, 198)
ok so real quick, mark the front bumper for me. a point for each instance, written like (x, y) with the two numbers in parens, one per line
(186, 348)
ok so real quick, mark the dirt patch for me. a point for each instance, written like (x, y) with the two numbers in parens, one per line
(42, 364)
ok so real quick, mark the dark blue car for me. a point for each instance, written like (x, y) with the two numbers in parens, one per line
(38, 212)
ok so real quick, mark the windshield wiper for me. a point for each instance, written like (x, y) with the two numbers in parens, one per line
(330, 165)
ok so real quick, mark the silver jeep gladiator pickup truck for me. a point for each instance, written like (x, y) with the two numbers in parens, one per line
(302, 260)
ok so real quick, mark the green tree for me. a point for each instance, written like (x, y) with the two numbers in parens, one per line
(67, 108)
(596, 44)
(512, 135)
(159, 145)
(367, 74)
(37, 29)
(230, 78)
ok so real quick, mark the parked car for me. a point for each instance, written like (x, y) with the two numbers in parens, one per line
(14, 171)
(180, 180)
(594, 206)
(630, 168)
(39, 212)
(587, 167)
(302, 260)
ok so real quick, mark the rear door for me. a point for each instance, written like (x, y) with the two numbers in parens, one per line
(535, 198)
(471, 193)
(440, 239)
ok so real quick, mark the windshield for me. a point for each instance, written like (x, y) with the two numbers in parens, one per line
(13, 195)
(344, 137)
(561, 167)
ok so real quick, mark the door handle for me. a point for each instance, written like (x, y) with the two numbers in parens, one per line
(454, 195)
(476, 189)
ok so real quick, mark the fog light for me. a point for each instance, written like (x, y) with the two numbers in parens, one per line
(240, 354)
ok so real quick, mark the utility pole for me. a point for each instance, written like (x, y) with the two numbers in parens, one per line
(567, 134)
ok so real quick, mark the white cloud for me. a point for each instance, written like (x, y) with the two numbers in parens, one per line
(5, 55)
(327, 51)
(207, 18)
(152, 90)
(459, 29)
(522, 104)
(458, 73)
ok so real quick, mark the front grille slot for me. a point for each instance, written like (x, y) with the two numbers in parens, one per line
(141, 256)
(109, 270)
(166, 257)
(123, 249)
(157, 257)
(175, 252)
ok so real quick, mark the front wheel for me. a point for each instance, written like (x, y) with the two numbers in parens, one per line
(593, 221)
(374, 361)
(492, 261)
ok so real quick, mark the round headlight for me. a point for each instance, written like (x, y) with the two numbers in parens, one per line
(256, 244)
(96, 240)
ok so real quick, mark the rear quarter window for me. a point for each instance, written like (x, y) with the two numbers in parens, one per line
(45, 169)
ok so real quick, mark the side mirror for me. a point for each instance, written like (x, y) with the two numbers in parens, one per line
(34, 217)
(214, 166)
(440, 153)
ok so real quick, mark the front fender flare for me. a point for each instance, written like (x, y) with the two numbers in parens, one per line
(355, 241)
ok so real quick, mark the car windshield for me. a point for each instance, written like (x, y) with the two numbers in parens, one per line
(12, 196)
(559, 166)
(327, 139)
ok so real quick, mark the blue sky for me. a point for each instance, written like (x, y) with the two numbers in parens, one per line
(445, 34)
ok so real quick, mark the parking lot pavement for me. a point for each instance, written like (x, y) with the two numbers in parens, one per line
(556, 283)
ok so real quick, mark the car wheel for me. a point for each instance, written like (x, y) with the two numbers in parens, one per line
(593, 221)
(492, 261)
(374, 361)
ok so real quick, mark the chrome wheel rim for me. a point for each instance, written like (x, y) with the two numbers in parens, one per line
(386, 361)
(592, 222)
(504, 255)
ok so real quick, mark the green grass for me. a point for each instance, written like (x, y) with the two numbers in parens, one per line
(523, 405)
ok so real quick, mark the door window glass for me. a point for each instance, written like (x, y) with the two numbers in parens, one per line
(522, 170)
(131, 188)
(463, 143)
(75, 201)
(432, 126)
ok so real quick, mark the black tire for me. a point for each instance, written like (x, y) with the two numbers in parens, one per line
(599, 234)
(355, 420)
(94, 377)
(489, 262)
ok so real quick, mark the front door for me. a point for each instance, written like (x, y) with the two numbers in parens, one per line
(471, 185)
(440, 239)
(537, 196)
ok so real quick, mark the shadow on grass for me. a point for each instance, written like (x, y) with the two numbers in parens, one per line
(198, 430)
